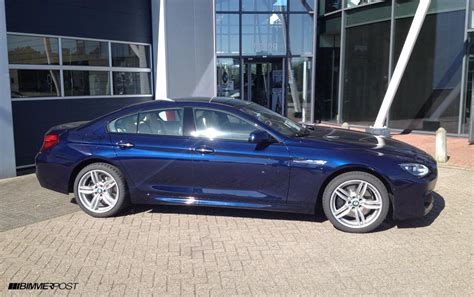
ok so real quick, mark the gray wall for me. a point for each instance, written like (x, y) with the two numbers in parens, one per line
(123, 20)
(126, 20)
(7, 149)
(190, 48)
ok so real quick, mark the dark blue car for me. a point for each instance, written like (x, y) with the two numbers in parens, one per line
(232, 153)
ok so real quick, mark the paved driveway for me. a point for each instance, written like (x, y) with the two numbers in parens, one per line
(198, 251)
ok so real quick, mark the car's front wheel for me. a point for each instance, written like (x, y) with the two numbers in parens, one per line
(356, 202)
(100, 190)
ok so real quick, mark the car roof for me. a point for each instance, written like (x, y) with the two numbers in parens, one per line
(227, 101)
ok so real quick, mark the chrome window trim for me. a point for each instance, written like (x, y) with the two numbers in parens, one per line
(61, 68)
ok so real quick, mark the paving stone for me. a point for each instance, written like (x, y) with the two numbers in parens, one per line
(171, 251)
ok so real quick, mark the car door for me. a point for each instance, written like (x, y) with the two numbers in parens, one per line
(227, 167)
(155, 153)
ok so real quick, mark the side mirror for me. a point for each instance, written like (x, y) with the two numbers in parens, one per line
(261, 137)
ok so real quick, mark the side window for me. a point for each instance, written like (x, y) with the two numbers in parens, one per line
(127, 124)
(217, 124)
(161, 122)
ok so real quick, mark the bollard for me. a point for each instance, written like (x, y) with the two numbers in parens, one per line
(345, 125)
(441, 146)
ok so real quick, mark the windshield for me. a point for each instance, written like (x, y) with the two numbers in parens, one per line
(274, 120)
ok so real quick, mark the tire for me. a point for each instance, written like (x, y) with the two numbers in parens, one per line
(348, 210)
(100, 190)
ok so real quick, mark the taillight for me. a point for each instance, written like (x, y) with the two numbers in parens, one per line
(49, 141)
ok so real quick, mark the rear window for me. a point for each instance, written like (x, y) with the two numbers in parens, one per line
(126, 124)
(161, 122)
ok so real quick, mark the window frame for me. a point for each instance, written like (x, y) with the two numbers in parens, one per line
(61, 68)
(89, 72)
(163, 109)
(63, 39)
(107, 125)
(256, 124)
(137, 113)
(46, 55)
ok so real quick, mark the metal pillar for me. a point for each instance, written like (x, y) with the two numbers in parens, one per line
(418, 20)
(342, 68)
(7, 145)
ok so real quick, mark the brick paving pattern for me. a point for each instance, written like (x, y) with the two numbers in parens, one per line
(214, 252)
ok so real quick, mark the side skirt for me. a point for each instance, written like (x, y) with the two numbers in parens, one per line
(190, 201)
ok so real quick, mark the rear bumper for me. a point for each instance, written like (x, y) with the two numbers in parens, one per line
(52, 176)
(414, 198)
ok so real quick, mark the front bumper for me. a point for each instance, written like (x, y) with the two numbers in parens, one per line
(414, 198)
(429, 203)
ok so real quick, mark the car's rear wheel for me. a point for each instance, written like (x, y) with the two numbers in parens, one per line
(356, 202)
(100, 190)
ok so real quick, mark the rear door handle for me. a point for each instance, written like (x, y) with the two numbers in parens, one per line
(125, 145)
(203, 150)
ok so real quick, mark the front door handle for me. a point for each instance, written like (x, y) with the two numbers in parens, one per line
(203, 150)
(125, 145)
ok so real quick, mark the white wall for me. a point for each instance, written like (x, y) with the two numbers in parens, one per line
(7, 146)
(189, 68)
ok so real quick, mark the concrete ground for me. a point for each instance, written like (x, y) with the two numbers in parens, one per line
(200, 251)
(24, 202)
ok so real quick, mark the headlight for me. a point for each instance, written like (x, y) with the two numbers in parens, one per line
(418, 170)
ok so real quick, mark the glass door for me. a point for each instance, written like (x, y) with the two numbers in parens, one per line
(263, 83)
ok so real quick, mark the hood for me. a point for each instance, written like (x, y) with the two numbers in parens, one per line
(349, 139)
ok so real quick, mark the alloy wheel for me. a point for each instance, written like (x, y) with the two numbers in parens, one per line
(98, 191)
(356, 203)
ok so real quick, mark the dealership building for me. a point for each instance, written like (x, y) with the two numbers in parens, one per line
(311, 60)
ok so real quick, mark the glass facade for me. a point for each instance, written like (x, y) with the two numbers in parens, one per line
(263, 34)
(328, 6)
(130, 55)
(85, 52)
(431, 85)
(34, 83)
(358, 45)
(467, 108)
(367, 60)
(264, 5)
(227, 31)
(355, 3)
(64, 67)
(86, 83)
(327, 71)
(301, 35)
(264, 53)
(131, 83)
(228, 77)
(33, 50)
(299, 91)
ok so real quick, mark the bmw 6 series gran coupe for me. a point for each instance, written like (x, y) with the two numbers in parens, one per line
(230, 153)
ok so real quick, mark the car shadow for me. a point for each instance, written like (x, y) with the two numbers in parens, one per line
(225, 212)
(319, 217)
